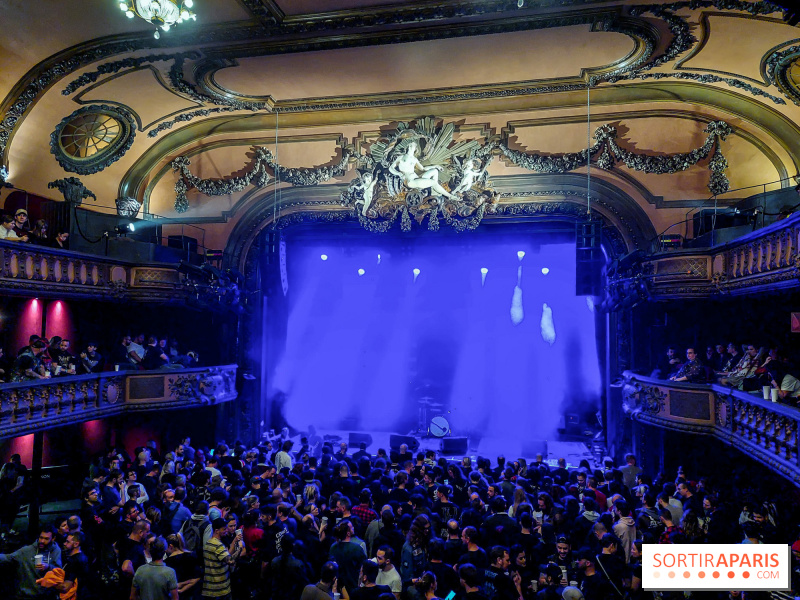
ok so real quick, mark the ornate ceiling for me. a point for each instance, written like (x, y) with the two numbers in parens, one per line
(328, 77)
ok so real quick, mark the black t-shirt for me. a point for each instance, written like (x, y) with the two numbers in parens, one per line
(370, 593)
(476, 557)
(131, 550)
(186, 566)
(499, 586)
(152, 357)
(77, 569)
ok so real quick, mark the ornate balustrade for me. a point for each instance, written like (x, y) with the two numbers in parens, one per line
(31, 269)
(766, 431)
(768, 258)
(44, 404)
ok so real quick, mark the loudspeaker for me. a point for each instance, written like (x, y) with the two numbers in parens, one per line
(355, 439)
(395, 440)
(455, 445)
(588, 258)
(530, 448)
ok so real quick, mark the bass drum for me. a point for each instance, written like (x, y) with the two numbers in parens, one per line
(439, 427)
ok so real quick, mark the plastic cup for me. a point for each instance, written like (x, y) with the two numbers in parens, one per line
(765, 391)
(38, 560)
(116, 367)
(774, 394)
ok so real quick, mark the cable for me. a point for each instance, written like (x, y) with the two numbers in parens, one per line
(80, 231)
(588, 151)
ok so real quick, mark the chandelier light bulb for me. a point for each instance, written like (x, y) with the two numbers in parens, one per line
(123, 7)
(157, 35)
(165, 27)
(130, 14)
(189, 3)
(520, 3)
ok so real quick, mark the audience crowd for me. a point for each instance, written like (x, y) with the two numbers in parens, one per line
(321, 522)
(43, 358)
(18, 229)
(745, 367)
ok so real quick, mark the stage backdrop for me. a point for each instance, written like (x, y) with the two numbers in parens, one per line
(380, 325)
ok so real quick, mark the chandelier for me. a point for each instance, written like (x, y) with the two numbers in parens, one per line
(161, 13)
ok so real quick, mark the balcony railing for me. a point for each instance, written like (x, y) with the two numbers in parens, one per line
(767, 259)
(30, 269)
(766, 431)
(28, 407)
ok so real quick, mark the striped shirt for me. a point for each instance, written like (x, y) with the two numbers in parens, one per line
(216, 580)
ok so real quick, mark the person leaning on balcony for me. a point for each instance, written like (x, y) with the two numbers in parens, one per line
(91, 360)
(21, 225)
(691, 371)
(7, 231)
(744, 369)
(28, 365)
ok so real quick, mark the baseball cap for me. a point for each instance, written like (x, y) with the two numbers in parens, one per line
(21, 211)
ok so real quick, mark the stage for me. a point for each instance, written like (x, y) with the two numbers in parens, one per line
(488, 447)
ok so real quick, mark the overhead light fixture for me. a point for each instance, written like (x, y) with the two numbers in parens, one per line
(520, 3)
(161, 13)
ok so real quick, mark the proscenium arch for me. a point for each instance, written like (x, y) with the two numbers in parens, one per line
(549, 197)
(138, 180)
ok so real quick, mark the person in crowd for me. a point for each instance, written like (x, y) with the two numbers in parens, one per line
(21, 225)
(668, 365)
(327, 585)
(691, 371)
(60, 240)
(219, 562)
(7, 231)
(29, 364)
(155, 580)
(187, 566)
(744, 369)
(29, 568)
(91, 361)
(154, 355)
(136, 351)
(78, 574)
(38, 235)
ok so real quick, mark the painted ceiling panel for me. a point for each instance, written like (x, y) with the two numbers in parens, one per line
(141, 91)
(414, 66)
(753, 39)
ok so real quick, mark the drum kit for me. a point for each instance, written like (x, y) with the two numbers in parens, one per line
(431, 418)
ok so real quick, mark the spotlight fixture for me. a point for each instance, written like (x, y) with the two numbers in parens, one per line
(161, 13)
(416, 274)
(324, 256)
(379, 259)
(484, 271)
(545, 270)
(520, 254)
(361, 272)
(124, 229)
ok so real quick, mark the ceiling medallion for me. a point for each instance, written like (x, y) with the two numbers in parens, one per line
(783, 70)
(92, 138)
(421, 172)
(161, 13)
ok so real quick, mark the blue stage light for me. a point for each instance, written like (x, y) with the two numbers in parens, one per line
(324, 257)
(545, 270)
(361, 272)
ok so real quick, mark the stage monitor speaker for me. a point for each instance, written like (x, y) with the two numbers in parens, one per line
(355, 439)
(530, 448)
(395, 440)
(455, 445)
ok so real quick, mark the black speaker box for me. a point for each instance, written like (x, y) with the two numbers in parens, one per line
(356, 438)
(455, 445)
(395, 440)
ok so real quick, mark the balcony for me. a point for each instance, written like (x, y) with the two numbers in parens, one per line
(762, 429)
(766, 259)
(27, 269)
(29, 407)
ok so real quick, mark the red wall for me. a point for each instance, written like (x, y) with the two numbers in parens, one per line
(60, 322)
(28, 323)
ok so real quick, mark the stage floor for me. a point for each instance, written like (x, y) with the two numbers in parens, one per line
(491, 448)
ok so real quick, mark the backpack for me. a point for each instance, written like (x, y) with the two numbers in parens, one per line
(192, 532)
